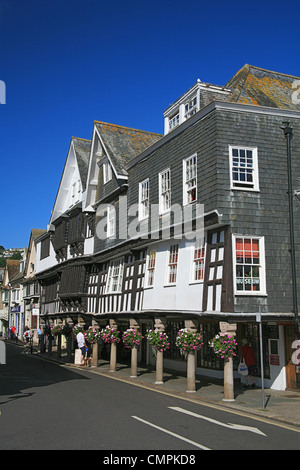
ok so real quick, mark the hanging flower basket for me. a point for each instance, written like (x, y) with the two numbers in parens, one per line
(158, 340)
(91, 335)
(48, 330)
(188, 341)
(77, 328)
(56, 330)
(224, 346)
(110, 335)
(132, 338)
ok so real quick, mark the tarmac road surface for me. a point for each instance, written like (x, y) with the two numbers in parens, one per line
(48, 406)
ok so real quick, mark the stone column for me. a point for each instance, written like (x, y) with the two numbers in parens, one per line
(95, 346)
(113, 357)
(113, 350)
(160, 326)
(191, 360)
(134, 351)
(191, 374)
(42, 343)
(133, 372)
(95, 355)
(58, 351)
(229, 329)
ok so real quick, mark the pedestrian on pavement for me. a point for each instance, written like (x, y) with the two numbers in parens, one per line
(87, 357)
(81, 345)
(39, 333)
(249, 359)
(13, 333)
(26, 334)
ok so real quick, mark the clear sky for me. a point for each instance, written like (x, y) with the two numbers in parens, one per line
(67, 63)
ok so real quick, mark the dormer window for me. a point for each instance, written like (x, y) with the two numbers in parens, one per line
(191, 107)
(107, 172)
(75, 193)
(174, 121)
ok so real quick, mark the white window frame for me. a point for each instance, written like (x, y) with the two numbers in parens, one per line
(107, 172)
(191, 106)
(189, 179)
(151, 266)
(115, 277)
(174, 121)
(198, 262)
(239, 166)
(172, 265)
(261, 265)
(144, 199)
(111, 221)
(164, 182)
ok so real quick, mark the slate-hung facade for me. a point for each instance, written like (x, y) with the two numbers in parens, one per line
(223, 148)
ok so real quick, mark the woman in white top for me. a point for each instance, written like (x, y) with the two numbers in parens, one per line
(81, 345)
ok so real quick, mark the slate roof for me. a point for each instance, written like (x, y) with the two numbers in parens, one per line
(124, 143)
(82, 149)
(36, 232)
(12, 268)
(260, 87)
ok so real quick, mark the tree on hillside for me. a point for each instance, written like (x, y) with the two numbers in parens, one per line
(17, 255)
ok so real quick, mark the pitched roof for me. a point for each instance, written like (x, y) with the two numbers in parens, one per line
(36, 232)
(13, 268)
(82, 149)
(124, 143)
(256, 86)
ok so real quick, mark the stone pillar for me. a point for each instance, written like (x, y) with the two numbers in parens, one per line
(191, 360)
(95, 346)
(191, 374)
(134, 351)
(160, 326)
(229, 329)
(95, 355)
(58, 351)
(133, 373)
(42, 343)
(113, 350)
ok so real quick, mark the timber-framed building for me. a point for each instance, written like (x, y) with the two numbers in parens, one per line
(105, 256)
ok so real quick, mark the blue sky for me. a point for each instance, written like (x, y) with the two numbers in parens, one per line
(67, 63)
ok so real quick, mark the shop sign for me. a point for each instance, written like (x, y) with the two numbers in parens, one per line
(15, 309)
(35, 311)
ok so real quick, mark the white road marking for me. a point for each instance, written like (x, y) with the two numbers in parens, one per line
(200, 446)
(237, 427)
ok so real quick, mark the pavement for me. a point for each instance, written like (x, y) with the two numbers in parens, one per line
(278, 406)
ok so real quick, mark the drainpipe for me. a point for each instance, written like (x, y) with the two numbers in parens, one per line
(288, 133)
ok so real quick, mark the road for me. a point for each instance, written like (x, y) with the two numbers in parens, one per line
(47, 406)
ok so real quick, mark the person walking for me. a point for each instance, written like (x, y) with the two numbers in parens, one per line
(81, 345)
(249, 359)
